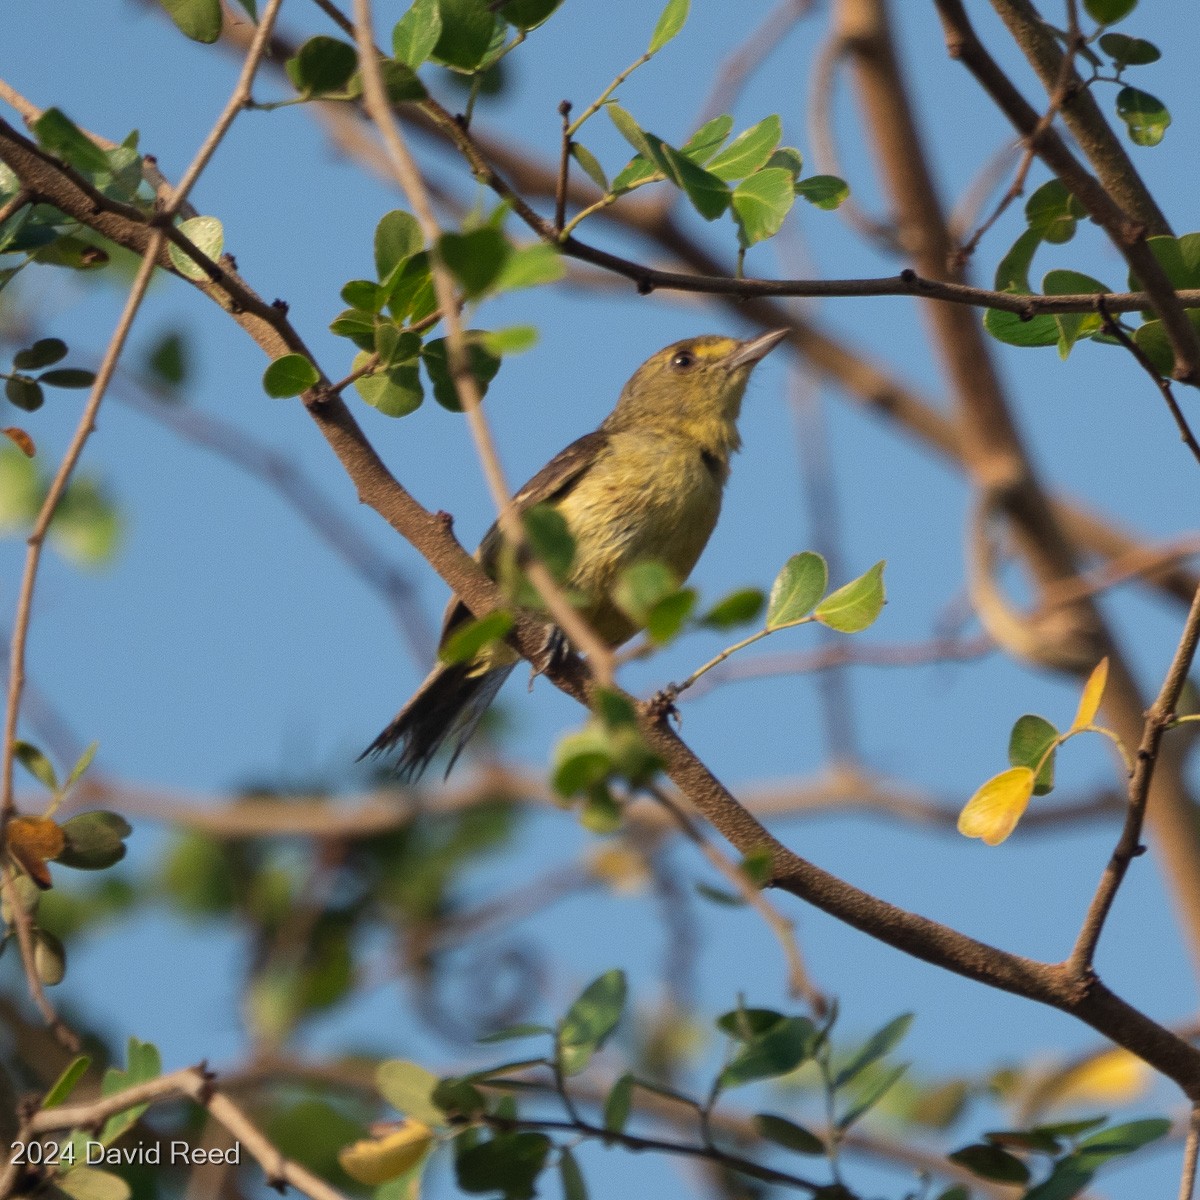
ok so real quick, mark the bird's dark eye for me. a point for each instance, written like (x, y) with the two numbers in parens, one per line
(683, 361)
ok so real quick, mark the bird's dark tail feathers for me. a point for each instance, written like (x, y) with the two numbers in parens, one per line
(449, 704)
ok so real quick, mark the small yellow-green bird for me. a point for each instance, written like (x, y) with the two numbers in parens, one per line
(644, 486)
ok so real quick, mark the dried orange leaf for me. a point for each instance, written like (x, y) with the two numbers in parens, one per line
(1093, 693)
(376, 1160)
(21, 440)
(32, 841)
(993, 812)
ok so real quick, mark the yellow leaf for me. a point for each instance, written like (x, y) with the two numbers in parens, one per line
(622, 868)
(1114, 1077)
(993, 812)
(1093, 693)
(376, 1160)
(32, 841)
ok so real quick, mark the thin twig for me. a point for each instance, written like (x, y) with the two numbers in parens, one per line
(1191, 1152)
(1114, 329)
(800, 984)
(58, 486)
(195, 1084)
(1058, 97)
(465, 383)
(564, 167)
(1158, 718)
(739, 67)
(17, 202)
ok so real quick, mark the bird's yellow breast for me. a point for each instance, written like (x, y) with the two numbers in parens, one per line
(653, 496)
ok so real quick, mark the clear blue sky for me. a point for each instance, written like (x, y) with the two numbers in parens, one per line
(226, 645)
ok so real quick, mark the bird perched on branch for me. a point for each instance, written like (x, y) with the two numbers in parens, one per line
(645, 486)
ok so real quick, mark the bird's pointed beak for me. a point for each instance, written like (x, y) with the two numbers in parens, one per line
(755, 349)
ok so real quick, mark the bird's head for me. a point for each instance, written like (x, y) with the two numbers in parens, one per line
(695, 386)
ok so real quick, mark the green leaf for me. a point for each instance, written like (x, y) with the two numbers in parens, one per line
(289, 376)
(168, 359)
(748, 151)
(708, 195)
(530, 266)
(145, 1064)
(746, 1024)
(825, 191)
(508, 1163)
(855, 606)
(871, 1097)
(528, 14)
(394, 391)
(600, 813)
(792, 161)
(1053, 212)
(760, 204)
(590, 165)
(365, 294)
(1068, 1178)
(395, 346)
(56, 132)
(357, 325)
(513, 1033)
(796, 589)
(781, 1049)
(573, 1185)
(582, 760)
(408, 1088)
(67, 377)
(24, 392)
(45, 352)
(37, 764)
(20, 491)
(87, 526)
(550, 538)
(417, 33)
(1119, 1140)
(630, 130)
(1073, 326)
(708, 139)
(207, 235)
(64, 1085)
(738, 608)
(590, 1020)
(484, 366)
(198, 19)
(400, 82)
(666, 619)
(1145, 116)
(1179, 259)
(669, 24)
(90, 1183)
(397, 238)
(475, 258)
(467, 28)
(94, 841)
(618, 1104)
(637, 171)
(1109, 12)
(642, 586)
(874, 1048)
(515, 339)
(990, 1162)
(468, 639)
(85, 761)
(1129, 51)
(322, 64)
(787, 1133)
(1030, 738)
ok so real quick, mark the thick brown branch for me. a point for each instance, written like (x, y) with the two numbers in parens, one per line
(1127, 232)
